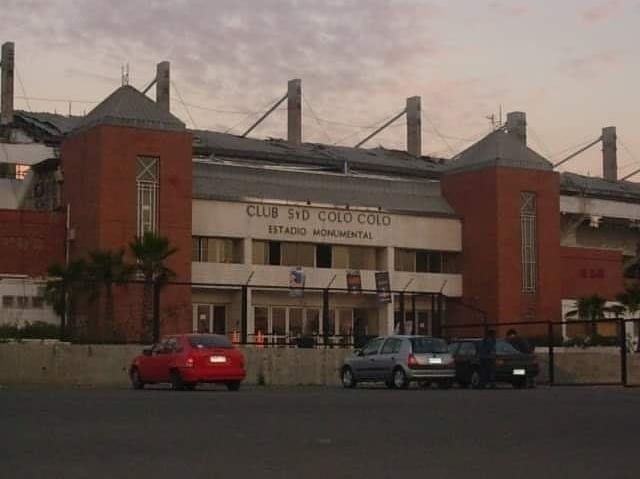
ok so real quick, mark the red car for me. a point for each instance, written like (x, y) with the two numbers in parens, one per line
(184, 360)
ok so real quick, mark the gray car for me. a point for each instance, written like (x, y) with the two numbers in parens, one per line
(399, 360)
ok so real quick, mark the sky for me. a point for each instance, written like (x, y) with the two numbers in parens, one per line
(572, 65)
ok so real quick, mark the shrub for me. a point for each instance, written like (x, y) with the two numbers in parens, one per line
(35, 330)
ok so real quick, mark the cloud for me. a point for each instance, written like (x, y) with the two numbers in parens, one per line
(509, 9)
(591, 65)
(602, 11)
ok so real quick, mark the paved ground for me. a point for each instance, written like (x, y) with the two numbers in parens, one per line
(316, 432)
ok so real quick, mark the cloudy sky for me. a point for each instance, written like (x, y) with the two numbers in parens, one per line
(572, 65)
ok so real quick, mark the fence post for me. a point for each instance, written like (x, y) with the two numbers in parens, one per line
(402, 318)
(623, 352)
(551, 362)
(243, 317)
(415, 314)
(156, 311)
(325, 316)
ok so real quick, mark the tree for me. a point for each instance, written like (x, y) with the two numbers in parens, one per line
(151, 251)
(104, 270)
(61, 292)
(590, 308)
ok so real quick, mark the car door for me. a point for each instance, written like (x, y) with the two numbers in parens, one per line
(387, 358)
(157, 365)
(465, 358)
(364, 365)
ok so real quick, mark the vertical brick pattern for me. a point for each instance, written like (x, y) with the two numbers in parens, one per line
(489, 202)
(100, 184)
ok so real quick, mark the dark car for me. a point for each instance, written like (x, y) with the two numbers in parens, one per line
(512, 366)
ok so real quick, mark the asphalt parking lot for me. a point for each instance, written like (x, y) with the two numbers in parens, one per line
(319, 432)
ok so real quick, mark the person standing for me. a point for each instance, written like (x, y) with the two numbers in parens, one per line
(488, 360)
(518, 342)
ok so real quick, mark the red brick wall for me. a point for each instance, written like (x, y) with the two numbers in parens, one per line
(30, 241)
(587, 271)
(100, 183)
(489, 202)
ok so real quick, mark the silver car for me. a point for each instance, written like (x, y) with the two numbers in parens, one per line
(398, 360)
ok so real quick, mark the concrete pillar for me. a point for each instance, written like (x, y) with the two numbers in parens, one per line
(517, 125)
(609, 154)
(163, 85)
(294, 111)
(6, 100)
(389, 309)
(414, 126)
(247, 251)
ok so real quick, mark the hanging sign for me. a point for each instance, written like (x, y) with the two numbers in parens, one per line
(383, 287)
(354, 282)
(296, 282)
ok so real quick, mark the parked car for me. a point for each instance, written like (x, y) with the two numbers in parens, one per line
(399, 360)
(185, 360)
(512, 366)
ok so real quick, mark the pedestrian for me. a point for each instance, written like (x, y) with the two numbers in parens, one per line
(518, 342)
(488, 360)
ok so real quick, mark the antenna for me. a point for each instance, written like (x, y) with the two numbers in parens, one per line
(492, 119)
(124, 74)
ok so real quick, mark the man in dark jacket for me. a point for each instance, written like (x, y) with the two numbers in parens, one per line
(518, 342)
(487, 353)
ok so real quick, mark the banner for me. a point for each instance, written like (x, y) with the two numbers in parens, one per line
(296, 282)
(354, 282)
(383, 287)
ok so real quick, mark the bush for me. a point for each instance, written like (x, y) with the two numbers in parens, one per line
(35, 330)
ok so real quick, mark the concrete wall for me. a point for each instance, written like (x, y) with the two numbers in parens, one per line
(53, 363)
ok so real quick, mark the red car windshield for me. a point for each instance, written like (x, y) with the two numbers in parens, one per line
(210, 341)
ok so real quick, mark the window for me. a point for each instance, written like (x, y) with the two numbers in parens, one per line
(7, 302)
(295, 321)
(297, 254)
(361, 257)
(23, 301)
(210, 342)
(528, 241)
(323, 256)
(424, 261)
(260, 252)
(391, 346)
(274, 252)
(503, 347)
(354, 257)
(261, 320)
(37, 302)
(405, 260)
(428, 345)
(216, 250)
(467, 349)
(372, 347)
(147, 184)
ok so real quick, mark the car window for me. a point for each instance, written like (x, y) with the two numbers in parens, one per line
(210, 341)
(162, 347)
(428, 345)
(453, 347)
(372, 347)
(391, 346)
(503, 347)
(173, 346)
(467, 349)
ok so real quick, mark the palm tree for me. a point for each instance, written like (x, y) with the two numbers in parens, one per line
(591, 308)
(151, 251)
(104, 270)
(61, 292)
